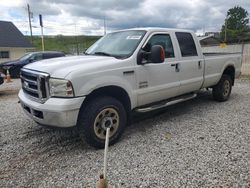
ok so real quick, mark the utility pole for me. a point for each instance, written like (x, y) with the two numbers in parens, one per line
(225, 37)
(77, 47)
(42, 38)
(104, 25)
(28, 6)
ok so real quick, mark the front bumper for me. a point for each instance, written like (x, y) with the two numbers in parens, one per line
(57, 112)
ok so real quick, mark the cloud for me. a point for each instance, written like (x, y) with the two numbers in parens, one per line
(86, 17)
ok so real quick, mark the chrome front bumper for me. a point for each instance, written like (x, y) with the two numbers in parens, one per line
(57, 112)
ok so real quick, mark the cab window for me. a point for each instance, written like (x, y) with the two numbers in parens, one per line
(47, 55)
(161, 39)
(36, 57)
(186, 43)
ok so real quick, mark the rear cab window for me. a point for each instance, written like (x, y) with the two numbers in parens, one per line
(186, 44)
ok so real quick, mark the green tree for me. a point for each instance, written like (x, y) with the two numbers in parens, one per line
(236, 25)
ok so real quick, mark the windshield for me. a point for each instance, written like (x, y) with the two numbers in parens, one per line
(119, 44)
(26, 56)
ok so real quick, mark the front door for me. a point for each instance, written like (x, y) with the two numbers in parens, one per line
(158, 81)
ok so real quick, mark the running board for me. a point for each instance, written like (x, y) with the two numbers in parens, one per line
(163, 104)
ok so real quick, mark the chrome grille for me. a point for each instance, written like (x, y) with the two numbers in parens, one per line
(35, 84)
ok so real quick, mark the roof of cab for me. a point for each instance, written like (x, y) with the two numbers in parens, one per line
(158, 29)
(48, 52)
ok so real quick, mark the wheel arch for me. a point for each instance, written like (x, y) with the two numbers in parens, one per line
(116, 92)
(230, 71)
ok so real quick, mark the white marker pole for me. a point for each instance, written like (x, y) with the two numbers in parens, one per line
(42, 38)
(106, 154)
(103, 183)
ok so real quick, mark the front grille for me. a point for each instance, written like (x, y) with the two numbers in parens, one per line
(35, 85)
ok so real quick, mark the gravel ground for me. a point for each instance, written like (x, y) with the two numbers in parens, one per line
(198, 143)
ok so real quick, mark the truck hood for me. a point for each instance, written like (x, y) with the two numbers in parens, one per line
(61, 67)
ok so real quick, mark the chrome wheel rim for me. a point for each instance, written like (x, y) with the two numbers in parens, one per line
(226, 88)
(107, 118)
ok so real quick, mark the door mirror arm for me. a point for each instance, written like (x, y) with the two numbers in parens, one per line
(142, 57)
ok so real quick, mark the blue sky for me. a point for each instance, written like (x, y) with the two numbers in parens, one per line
(74, 17)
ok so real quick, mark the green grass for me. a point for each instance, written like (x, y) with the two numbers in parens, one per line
(67, 44)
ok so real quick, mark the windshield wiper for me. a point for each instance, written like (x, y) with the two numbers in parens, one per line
(102, 53)
(107, 54)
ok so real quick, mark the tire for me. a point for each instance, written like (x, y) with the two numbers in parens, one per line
(98, 113)
(222, 91)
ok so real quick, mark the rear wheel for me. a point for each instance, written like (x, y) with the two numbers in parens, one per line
(97, 116)
(222, 91)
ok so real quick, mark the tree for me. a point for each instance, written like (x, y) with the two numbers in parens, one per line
(236, 24)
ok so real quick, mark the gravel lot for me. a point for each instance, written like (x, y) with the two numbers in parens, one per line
(198, 143)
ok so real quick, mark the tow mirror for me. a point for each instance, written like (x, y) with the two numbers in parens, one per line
(157, 54)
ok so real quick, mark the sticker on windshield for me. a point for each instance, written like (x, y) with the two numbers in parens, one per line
(134, 37)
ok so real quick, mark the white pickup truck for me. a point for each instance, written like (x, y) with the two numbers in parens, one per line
(130, 70)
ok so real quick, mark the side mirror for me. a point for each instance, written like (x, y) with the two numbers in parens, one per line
(157, 54)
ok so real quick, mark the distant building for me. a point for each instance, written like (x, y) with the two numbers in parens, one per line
(209, 40)
(214, 34)
(13, 43)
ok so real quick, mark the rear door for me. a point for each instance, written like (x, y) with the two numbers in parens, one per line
(190, 64)
(158, 81)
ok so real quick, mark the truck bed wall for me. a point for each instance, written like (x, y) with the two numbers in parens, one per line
(216, 64)
(236, 48)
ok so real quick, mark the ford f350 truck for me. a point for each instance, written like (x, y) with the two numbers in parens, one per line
(130, 70)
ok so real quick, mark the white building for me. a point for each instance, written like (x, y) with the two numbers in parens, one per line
(13, 43)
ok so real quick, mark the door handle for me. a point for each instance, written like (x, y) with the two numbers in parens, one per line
(176, 65)
(199, 64)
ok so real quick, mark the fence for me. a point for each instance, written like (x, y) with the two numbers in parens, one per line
(240, 48)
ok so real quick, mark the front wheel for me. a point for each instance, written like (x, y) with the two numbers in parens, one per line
(97, 116)
(222, 91)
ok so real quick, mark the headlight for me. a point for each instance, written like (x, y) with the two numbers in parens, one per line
(60, 88)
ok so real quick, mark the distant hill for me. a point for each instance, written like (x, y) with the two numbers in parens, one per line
(67, 44)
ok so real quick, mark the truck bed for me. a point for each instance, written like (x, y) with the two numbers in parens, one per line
(215, 64)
